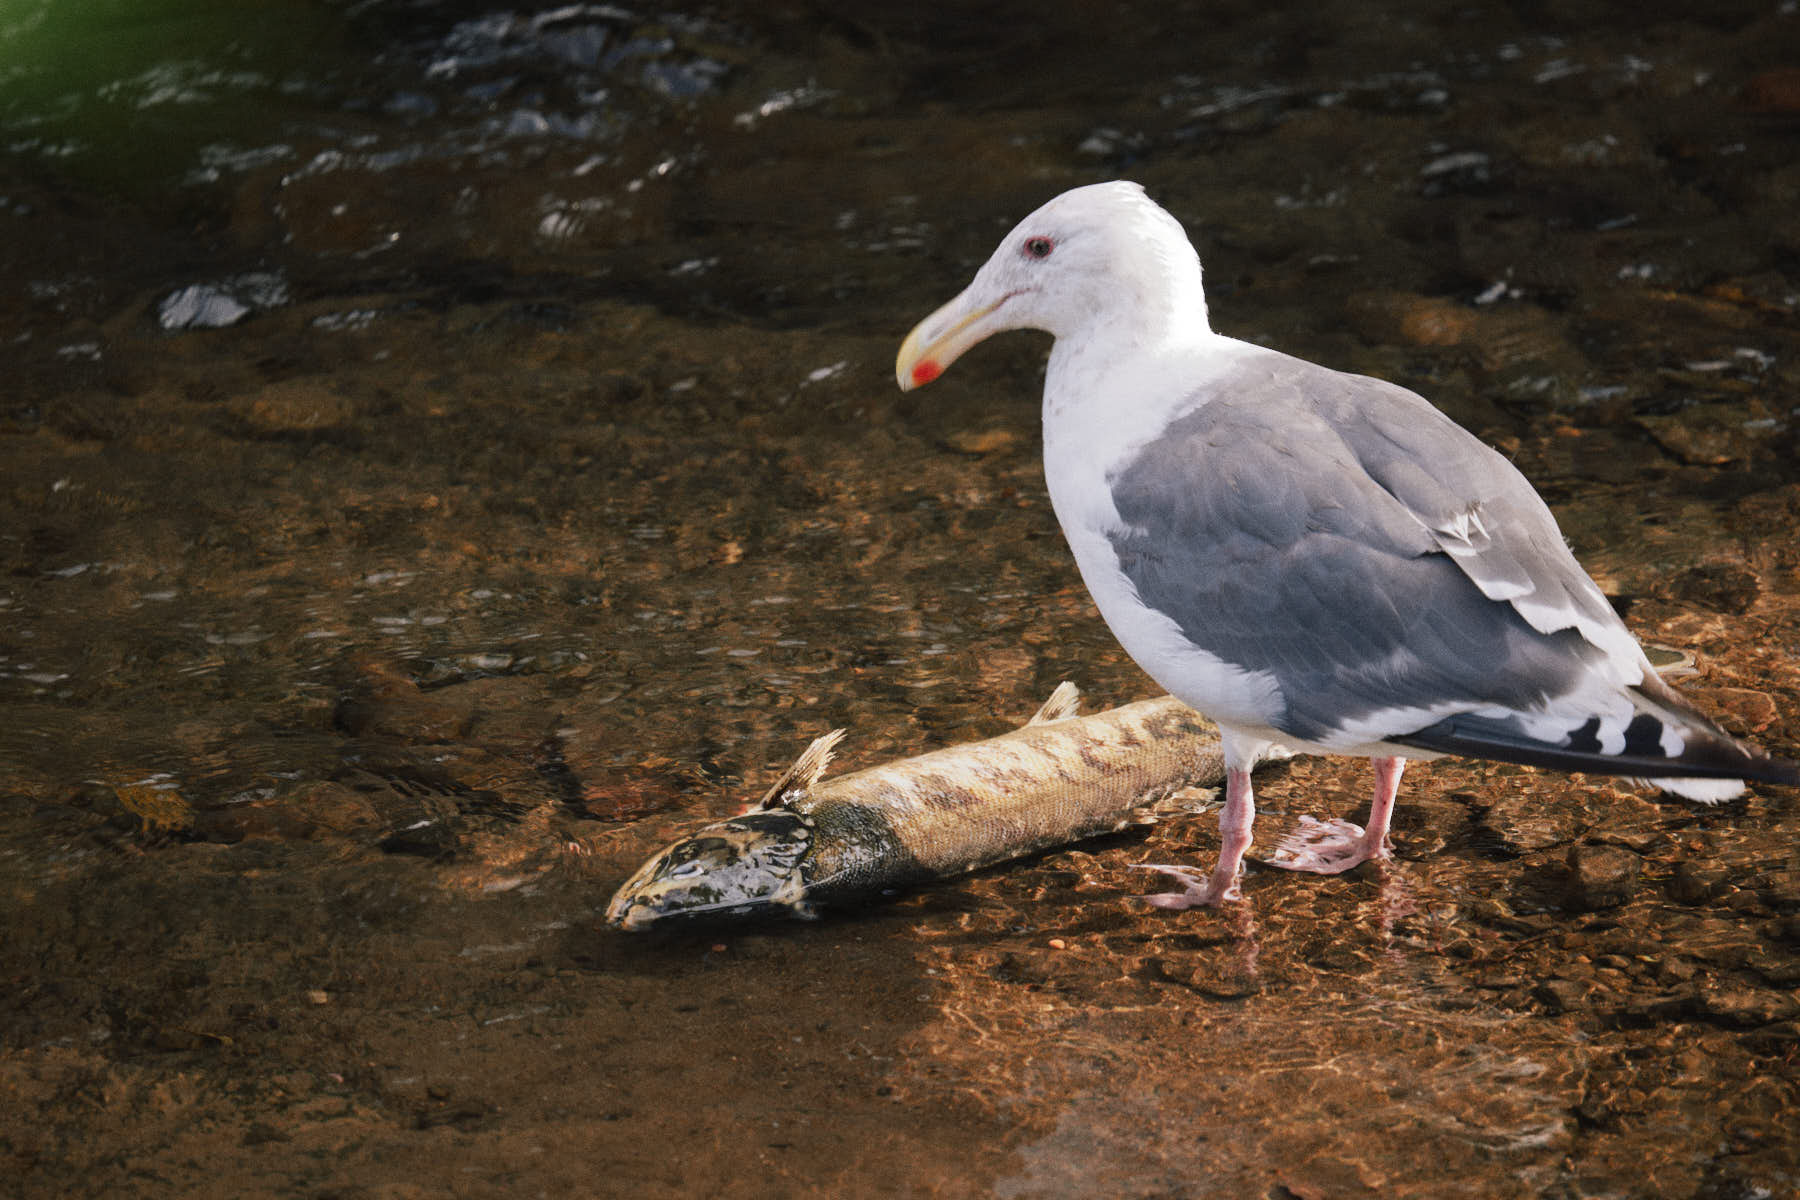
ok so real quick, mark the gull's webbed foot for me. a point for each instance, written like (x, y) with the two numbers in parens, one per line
(1326, 847)
(1199, 890)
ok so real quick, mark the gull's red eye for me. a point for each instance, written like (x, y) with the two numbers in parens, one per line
(1038, 247)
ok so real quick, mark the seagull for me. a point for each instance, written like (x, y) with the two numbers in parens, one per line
(1312, 559)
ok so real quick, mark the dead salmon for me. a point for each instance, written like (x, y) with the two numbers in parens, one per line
(811, 841)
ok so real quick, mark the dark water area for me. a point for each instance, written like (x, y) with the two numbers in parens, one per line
(452, 449)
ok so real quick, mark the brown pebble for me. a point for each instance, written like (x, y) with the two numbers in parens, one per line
(1601, 876)
(1403, 317)
(295, 406)
(1523, 822)
(1232, 985)
(1725, 587)
(1703, 435)
(1739, 710)
(1744, 1006)
(309, 810)
(158, 806)
(1780, 890)
(385, 702)
(1675, 970)
(987, 441)
(1774, 91)
(1696, 881)
(1562, 995)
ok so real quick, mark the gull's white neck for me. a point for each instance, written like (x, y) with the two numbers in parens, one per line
(1115, 386)
(1151, 308)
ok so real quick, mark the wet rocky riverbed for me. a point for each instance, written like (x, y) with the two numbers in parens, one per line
(450, 450)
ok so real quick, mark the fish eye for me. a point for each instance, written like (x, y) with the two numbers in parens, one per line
(1038, 247)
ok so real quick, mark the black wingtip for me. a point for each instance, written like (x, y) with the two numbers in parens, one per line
(1778, 770)
(1707, 757)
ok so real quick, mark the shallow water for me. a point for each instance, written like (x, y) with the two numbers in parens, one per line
(454, 449)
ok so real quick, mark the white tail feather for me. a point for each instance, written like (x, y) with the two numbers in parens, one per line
(1706, 791)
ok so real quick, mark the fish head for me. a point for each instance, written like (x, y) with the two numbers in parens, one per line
(749, 866)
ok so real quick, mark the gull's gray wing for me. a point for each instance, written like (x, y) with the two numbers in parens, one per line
(1342, 535)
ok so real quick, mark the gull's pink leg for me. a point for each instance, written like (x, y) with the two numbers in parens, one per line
(1235, 820)
(1331, 847)
(1381, 808)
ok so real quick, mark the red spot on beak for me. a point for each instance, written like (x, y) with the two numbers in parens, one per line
(925, 372)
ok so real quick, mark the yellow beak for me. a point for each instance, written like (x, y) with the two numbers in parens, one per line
(940, 340)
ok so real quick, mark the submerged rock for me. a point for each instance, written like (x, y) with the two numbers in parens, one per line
(314, 809)
(1601, 877)
(1773, 91)
(221, 304)
(1390, 317)
(1696, 881)
(1725, 587)
(1742, 711)
(296, 406)
(1561, 995)
(1711, 435)
(1740, 1004)
(1523, 822)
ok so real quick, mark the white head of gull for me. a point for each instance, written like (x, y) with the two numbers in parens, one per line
(1310, 558)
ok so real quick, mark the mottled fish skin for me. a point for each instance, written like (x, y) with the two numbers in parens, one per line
(741, 867)
(1059, 779)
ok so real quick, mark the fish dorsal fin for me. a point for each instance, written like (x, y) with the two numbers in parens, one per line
(1063, 703)
(804, 773)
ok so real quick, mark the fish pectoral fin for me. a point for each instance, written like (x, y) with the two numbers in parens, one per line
(1064, 702)
(806, 771)
(1184, 800)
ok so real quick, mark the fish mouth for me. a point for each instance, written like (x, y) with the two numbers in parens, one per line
(629, 916)
(637, 917)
